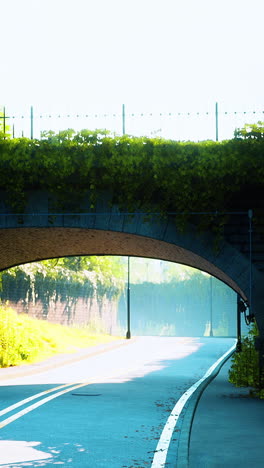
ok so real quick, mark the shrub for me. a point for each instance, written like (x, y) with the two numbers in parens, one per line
(244, 370)
(18, 339)
(25, 340)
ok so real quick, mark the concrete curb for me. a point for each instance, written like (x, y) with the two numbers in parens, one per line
(187, 420)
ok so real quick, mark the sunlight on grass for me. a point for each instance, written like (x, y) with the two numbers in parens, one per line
(27, 340)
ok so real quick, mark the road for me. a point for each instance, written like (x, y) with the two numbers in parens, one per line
(106, 410)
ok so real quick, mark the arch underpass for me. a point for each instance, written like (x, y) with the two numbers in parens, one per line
(69, 190)
(24, 245)
(40, 234)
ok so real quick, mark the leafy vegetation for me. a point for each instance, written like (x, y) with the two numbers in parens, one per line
(179, 176)
(4, 128)
(244, 370)
(83, 276)
(70, 290)
(251, 131)
(26, 340)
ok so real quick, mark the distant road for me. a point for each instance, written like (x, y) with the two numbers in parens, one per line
(107, 410)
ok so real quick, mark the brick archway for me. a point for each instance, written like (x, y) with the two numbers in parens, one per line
(23, 245)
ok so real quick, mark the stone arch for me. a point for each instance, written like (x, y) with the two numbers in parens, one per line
(40, 233)
(29, 244)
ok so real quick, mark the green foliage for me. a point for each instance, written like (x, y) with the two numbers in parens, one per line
(244, 370)
(4, 128)
(18, 342)
(25, 340)
(70, 277)
(251, 131)
(140, 173)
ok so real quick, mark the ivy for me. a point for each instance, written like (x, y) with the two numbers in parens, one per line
(141, 173)
(67, 278)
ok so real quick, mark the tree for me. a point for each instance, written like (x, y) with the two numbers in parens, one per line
(250, 131)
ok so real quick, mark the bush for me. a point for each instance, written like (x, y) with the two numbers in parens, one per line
(19, 340)
(26, 340)
(244, 370)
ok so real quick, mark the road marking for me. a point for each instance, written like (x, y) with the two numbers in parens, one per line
(33, 397)
(70, 387)
(18, 415)
(159, 459)
(39, 395)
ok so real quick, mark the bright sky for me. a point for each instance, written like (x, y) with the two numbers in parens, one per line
(163, 55)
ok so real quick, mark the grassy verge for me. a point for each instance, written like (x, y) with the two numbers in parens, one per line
(25, 340)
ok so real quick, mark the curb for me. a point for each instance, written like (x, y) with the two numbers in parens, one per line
(187, 420)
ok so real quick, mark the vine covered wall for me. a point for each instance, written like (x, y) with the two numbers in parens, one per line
(75, 291)
(140, 173)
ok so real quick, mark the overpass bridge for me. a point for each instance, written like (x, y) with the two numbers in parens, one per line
(199, 204)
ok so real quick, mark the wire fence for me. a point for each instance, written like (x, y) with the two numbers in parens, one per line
(215, 124)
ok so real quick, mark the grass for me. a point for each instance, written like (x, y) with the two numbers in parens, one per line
(25, 340)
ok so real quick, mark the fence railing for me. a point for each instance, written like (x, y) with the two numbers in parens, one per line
(216, 124)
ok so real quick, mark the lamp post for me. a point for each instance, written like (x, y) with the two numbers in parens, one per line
(123, 119)
(216, 121)
(128, 333)
(239, 310)
(211, 306)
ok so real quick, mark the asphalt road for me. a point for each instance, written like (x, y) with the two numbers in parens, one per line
(107, 410)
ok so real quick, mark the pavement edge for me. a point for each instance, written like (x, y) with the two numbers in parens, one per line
(187, 421)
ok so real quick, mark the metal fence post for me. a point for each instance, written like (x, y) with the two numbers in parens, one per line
(31, 122)
(4, 122)
(128, 334)
(216, 121)
(123, 119)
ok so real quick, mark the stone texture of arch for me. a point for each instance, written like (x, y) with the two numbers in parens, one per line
(23, 245)
(41, 234)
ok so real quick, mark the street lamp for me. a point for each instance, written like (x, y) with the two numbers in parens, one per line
(211, 306)
(128, 333)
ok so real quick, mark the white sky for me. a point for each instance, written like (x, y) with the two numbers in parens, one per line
(164, 55)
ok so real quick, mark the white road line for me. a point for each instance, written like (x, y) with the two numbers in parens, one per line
(161, 451)
(38, 395)
(33, 397)
(7, 421)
